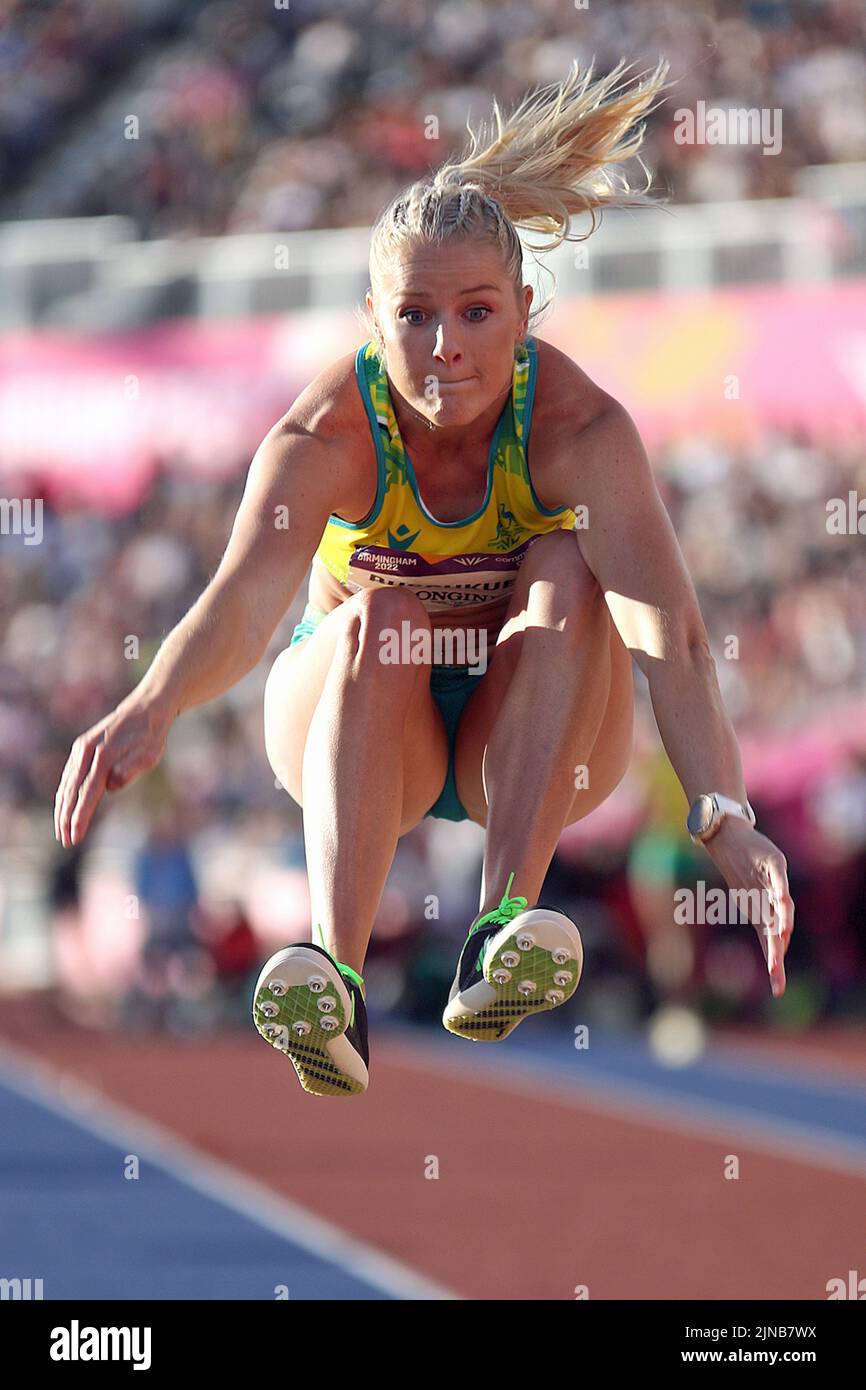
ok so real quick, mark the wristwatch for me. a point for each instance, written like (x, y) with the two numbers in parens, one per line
(707, 812)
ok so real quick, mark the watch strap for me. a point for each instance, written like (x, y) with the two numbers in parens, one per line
(734, 808)
(723, 806)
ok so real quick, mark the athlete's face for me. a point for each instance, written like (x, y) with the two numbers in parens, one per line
(450, 319)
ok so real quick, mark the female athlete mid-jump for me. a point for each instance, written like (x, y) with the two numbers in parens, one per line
(404, 472)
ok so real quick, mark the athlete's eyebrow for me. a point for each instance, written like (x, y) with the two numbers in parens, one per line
(423, 294)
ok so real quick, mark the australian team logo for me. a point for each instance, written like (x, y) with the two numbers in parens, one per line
(508, 531)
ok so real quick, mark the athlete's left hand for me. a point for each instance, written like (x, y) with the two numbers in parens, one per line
(748, 860)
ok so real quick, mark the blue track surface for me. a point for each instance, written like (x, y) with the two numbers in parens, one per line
(69, 1217)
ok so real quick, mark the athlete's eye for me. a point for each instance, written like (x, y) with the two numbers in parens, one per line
(475, 309)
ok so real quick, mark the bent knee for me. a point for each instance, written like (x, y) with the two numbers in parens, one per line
(377, 616)
(387, 603)
(557, 556)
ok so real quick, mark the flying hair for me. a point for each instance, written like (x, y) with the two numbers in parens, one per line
(554, 157)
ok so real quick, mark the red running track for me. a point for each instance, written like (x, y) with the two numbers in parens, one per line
(537, 1192)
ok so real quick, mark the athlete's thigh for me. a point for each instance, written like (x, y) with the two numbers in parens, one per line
(555, 559)
(293, 690)
(568, 586)
(611, 753)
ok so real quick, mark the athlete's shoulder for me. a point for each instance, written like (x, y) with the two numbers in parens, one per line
(567, 401)
(329, 414)
(565, 396)
(330, 406)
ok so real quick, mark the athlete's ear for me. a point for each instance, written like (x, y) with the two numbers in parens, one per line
(376, 329)
(528, 295)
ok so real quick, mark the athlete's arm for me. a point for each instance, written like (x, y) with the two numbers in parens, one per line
(298, 476)
(631, 547)
(289, 493)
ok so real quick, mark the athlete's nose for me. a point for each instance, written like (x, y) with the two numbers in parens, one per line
(446, 347)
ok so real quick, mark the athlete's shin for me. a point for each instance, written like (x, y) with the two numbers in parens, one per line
(351, 815)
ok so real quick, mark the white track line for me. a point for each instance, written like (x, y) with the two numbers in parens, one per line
(712, 1120)
(65, 1095)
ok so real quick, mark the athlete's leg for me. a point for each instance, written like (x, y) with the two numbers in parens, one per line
(361, 746)
(558, 695)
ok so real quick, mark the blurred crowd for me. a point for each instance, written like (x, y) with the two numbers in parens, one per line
(205, 118)
(198, 869)
(770, 572)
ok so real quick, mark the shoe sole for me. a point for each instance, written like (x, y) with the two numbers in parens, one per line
(288, 1013)
(538, 950)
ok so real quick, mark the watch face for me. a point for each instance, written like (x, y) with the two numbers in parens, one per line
(700, 815)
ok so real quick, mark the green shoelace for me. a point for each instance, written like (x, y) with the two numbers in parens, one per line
(507, 909)
(345, 970)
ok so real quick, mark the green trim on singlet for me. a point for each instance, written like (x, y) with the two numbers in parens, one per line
(335, 520)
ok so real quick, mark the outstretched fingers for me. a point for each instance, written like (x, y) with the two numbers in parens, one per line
(777, 921)
(81, 785)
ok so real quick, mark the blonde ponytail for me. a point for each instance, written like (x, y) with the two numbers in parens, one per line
(549, 160)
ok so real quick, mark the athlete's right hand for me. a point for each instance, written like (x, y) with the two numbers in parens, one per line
(110, 755)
